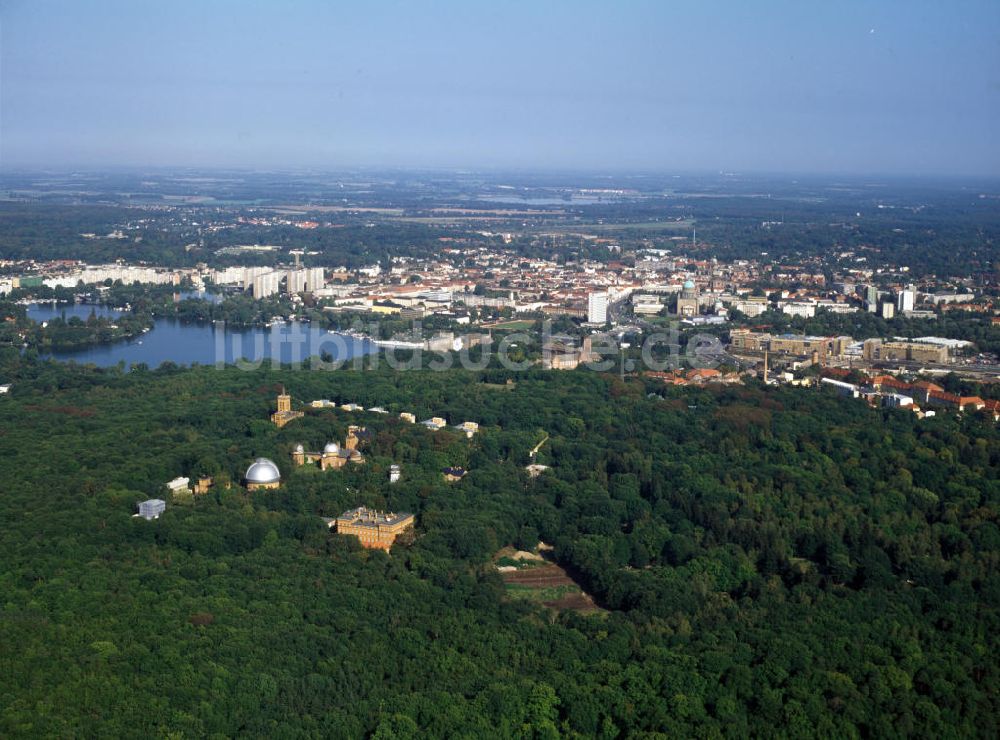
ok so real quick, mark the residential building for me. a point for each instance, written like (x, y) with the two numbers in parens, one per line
(751, 307)
(314, 279)
(906, 299)
(267, 284)
(954, 402)
(871, 299)
(597, 308)
(806, 309)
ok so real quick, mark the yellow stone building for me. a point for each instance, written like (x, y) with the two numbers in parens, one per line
(203, 485)
(333, 456)
(374, 529)
(284, 414)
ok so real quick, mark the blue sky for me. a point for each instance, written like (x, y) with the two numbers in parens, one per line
(891, 87)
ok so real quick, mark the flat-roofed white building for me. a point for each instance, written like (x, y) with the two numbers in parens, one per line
(152, 508)
(597, 308)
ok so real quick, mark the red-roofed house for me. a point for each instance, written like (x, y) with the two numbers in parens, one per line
(950, 400)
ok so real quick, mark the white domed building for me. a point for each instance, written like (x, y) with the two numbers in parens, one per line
(262, 475)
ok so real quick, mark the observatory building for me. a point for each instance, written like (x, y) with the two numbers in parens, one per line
(333, 455)
(263, 474)
(284, 414)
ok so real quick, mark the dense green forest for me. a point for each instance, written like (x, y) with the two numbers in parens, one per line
(51, 232)
(769, 561)
(172, 238)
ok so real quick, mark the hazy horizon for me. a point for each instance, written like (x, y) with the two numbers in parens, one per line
(777, 88)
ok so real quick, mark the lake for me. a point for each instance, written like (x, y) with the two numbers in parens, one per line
(185, 344)
(49, 311)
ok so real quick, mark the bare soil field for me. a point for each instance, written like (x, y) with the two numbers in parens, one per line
(550, 585)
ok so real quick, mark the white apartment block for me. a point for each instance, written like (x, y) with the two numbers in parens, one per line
(126, 273)
(597, 308)
(267, 284)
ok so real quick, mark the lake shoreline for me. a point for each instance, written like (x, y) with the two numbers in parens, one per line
(205, 343)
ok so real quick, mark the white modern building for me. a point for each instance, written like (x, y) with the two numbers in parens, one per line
(896, 400)
(844, 389)
(597, 308)
(267, 284)
(906, 299)
(152, 508)
(751, 307)
(179, 485)
(295, 281)
(128, 274)
(806, 309)
(315, 280)
(252, 273)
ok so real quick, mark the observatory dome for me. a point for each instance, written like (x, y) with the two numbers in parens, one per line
(263, 471)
